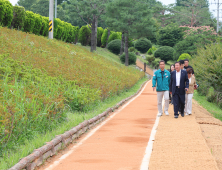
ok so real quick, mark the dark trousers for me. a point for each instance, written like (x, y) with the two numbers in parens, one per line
(179, 102)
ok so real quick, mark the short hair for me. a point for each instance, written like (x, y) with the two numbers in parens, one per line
(161, 61)
(186, 60)
(189, 70)
(181, 62)
(178, 63)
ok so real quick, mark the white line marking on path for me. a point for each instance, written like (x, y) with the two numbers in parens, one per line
(149, 148)
(92, 132)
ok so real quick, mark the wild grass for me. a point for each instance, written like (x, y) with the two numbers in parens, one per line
(72, 119)
(213, 108)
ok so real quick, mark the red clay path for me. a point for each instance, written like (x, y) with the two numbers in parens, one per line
(119, 144)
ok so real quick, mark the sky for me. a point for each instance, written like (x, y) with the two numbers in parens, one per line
(165, 2)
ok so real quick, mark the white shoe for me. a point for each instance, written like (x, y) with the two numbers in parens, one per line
(166, 112)
(189, 113)
(186, 114)
(159, 114)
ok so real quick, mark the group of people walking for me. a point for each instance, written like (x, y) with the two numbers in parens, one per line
(178, 85)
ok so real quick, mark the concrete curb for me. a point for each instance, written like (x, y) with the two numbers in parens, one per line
(39, 155)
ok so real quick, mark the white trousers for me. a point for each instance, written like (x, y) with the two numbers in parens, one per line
(188, 103)
(160, 96)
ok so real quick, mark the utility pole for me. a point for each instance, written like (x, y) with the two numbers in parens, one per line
(55, 8)
(218, 17)
(51, 7)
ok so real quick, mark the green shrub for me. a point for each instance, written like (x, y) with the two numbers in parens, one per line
(184, 56)
(211, 95)
(114, 36)
(44, 30)
(99, 36)
(84, 35)
(132, 58)
(132, 49)
(38, 24)
(58, 28)
(114, 46)
(155, 63)
(6, 13)
(29, 21)
(165, 53)
(151, 50)
(104, 37)
(18, 17)
(143, 45)
(150, 58)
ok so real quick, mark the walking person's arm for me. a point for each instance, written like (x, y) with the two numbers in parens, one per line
(171, 83)
(187, 82)
(154, 82)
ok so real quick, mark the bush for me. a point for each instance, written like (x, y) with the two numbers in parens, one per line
(104, 37)
(132, 49)
(143, 45)
(165, 53)
(151, 50)
(114, 46)
(6, 13)
(150, 59)
(99, 36)
(184, 56)
(44, 30)
(132, 58)
(155, 63)
(114, 36)
(29, 21)
(84, 35)
(18, 17)
(38, 24)
(211, 95)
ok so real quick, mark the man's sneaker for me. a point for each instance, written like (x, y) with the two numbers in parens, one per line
(166, 112)
(159, 114)
(186, 114)
(175, 116)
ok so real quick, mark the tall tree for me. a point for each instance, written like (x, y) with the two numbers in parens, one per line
(26, 3)
(41, 7)
(90, 12)
(132, 17)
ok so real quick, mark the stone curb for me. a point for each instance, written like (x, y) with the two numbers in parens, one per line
(39, 155)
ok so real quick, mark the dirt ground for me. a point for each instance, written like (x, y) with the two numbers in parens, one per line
(183, 143)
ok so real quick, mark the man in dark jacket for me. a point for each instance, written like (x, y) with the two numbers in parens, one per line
(179, 84)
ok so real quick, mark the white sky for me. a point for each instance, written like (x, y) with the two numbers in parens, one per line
(165, 2)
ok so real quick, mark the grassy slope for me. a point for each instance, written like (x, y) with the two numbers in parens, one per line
(211, 107)
(71, 62)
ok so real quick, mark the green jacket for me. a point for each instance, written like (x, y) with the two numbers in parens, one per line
(163, 83)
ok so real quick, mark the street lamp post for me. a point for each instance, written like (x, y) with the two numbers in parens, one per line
(51, 7)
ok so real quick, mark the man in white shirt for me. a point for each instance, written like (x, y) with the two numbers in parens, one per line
(179, 83)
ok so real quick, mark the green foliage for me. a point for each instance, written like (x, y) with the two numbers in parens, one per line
(132, 58)
(99, 36)
(150, 58)
(26, 3)
(155, 63)
(132, 49)
(143, 45)
(114, 46)
(114, 36)
(170, 35)
(41, 7)
(164, 53)
(18, 17)
(104, 37)
(29, 21)
(208, 72)
(38, 24)
(6, 13)
(45, 26)
(191, 43)
(184, 56)
(84, 35)
(151, 50)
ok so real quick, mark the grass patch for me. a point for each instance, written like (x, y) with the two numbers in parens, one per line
(72, 120)
(213, 108)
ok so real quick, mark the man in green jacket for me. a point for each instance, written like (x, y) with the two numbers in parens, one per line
(160, 83)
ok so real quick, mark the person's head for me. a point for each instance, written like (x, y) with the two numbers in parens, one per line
(181, 64)
(162, 64)
(172, 67)
(189, 71)
(177, 66)
(186, 62)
